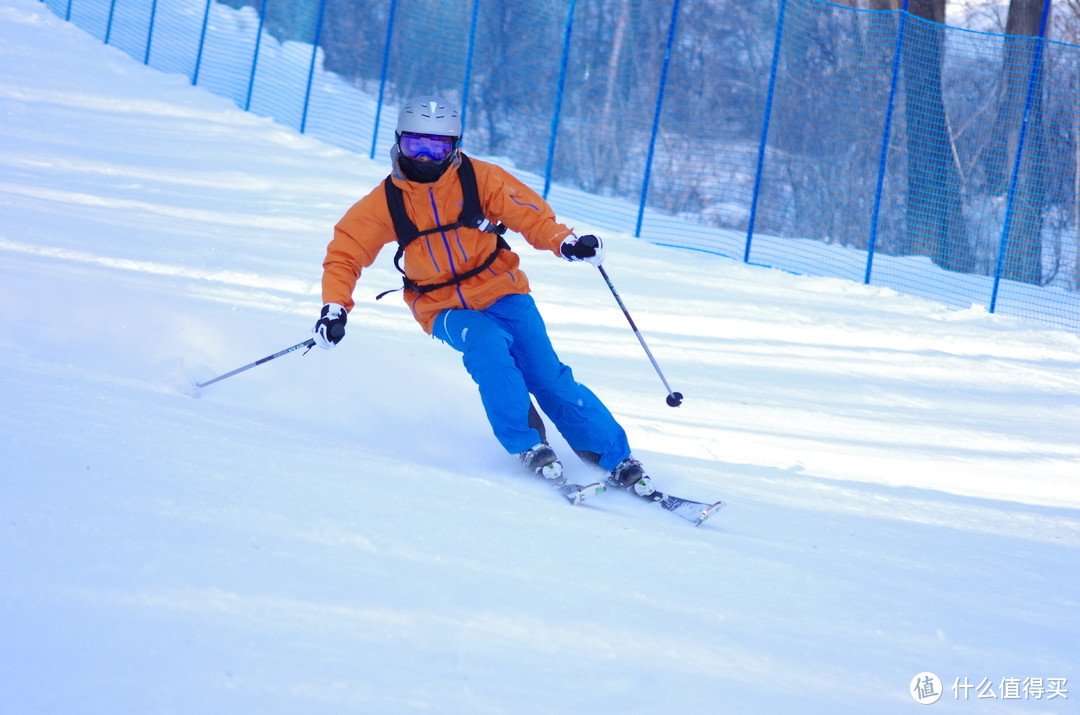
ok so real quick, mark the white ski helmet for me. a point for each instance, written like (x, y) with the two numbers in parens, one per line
(429, 114)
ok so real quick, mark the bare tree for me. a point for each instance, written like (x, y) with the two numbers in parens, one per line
(935, 222)
(1020, 115)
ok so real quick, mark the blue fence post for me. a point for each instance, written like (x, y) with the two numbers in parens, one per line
(765, 128)
(885, 137)
(108, 24)
(67, 13)
(150, 32)
(202, 43)
(469, 61)
(656, 116)
(382, 75)
(1033, 82)
(560, 89)
(311, 68)
(255, 55)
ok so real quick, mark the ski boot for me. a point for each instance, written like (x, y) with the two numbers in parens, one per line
(631, 476)
(541, 461)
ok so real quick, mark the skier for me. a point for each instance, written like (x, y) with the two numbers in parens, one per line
(463, 284)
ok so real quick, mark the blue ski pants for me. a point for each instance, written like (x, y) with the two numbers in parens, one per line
(507, 352)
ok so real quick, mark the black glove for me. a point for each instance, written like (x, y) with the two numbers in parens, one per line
(584, 248)
(330, 328)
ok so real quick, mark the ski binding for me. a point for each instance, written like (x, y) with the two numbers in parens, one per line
(577, 493)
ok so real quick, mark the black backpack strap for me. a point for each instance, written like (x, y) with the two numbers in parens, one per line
(472, 213)
(500, 245)
(403, 225)
(472, 216)
(395, 201)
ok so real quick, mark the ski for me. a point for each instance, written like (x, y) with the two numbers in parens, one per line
(693, 511)
(577, 493)
(552, 473)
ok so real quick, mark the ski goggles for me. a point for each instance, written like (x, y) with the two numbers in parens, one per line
(432, 146)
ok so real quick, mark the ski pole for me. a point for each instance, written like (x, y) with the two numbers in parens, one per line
(674, 399)
(309, 343)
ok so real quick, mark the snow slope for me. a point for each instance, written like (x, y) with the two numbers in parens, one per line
(338, 532)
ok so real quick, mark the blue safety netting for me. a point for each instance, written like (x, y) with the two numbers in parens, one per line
(874, 146)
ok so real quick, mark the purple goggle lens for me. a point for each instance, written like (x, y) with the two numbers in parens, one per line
(432, 146)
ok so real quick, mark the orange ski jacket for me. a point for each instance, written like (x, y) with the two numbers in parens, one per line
(439, 257)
